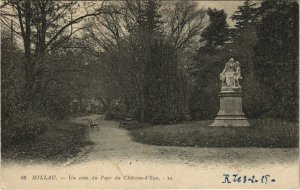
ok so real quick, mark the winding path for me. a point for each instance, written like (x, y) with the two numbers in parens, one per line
(115, 155)
(111, 142)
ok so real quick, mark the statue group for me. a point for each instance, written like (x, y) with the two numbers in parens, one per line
(231, 75)
(231, 112)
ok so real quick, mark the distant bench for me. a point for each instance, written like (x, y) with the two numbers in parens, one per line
(123, 124)
(92, 124)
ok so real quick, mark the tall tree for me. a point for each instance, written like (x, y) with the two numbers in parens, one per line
(244, 39)
(43, 26)
(216, 32)
(184, 23)
(245, 14)
(132, 35)
(207, 64)
(277, 57)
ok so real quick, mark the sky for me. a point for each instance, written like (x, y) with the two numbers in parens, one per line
(229, 7)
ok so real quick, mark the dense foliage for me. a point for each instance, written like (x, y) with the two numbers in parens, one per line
(265, 42)
(155, 61)
(276, 58)
(145, 54)
(34, 69)
(16, 123)
(166, 87)
(215, 33)
(208, 63)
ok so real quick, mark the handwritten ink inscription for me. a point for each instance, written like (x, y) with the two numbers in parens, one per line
(236, 178)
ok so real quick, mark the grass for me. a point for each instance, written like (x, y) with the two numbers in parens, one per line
(60, 141)
(262, 133)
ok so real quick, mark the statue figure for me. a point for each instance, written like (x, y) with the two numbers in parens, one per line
(231, 75)
(228, 73)
(237, 74)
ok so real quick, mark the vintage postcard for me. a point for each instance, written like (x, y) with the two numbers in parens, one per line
(149, 94)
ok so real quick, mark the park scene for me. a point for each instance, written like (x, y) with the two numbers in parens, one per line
(191, 82)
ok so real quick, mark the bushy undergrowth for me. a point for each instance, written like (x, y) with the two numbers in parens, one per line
(21, 128)
(59, 141)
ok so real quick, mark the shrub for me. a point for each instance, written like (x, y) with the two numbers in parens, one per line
(20, 128)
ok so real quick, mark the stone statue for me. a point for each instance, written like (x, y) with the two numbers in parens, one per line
(231, 110)
(237, 75)
(231, 75)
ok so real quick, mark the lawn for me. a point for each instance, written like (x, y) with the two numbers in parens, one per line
(262, 133)
(60, 141)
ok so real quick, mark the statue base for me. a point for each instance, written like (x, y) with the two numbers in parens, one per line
(231, 113)
(231, 88)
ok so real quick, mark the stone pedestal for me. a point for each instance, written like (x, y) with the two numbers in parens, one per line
(231, 113)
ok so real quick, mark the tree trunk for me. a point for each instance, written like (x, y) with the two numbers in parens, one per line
(108, 107)
(142, 106)
(80, 104)
(251, 69)
(28, 65)
(104, 104)
(142, 113)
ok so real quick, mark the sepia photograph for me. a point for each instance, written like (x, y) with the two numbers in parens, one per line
(149, 94)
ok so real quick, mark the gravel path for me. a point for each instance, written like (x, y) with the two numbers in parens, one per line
(112, 142)
(115, 155)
